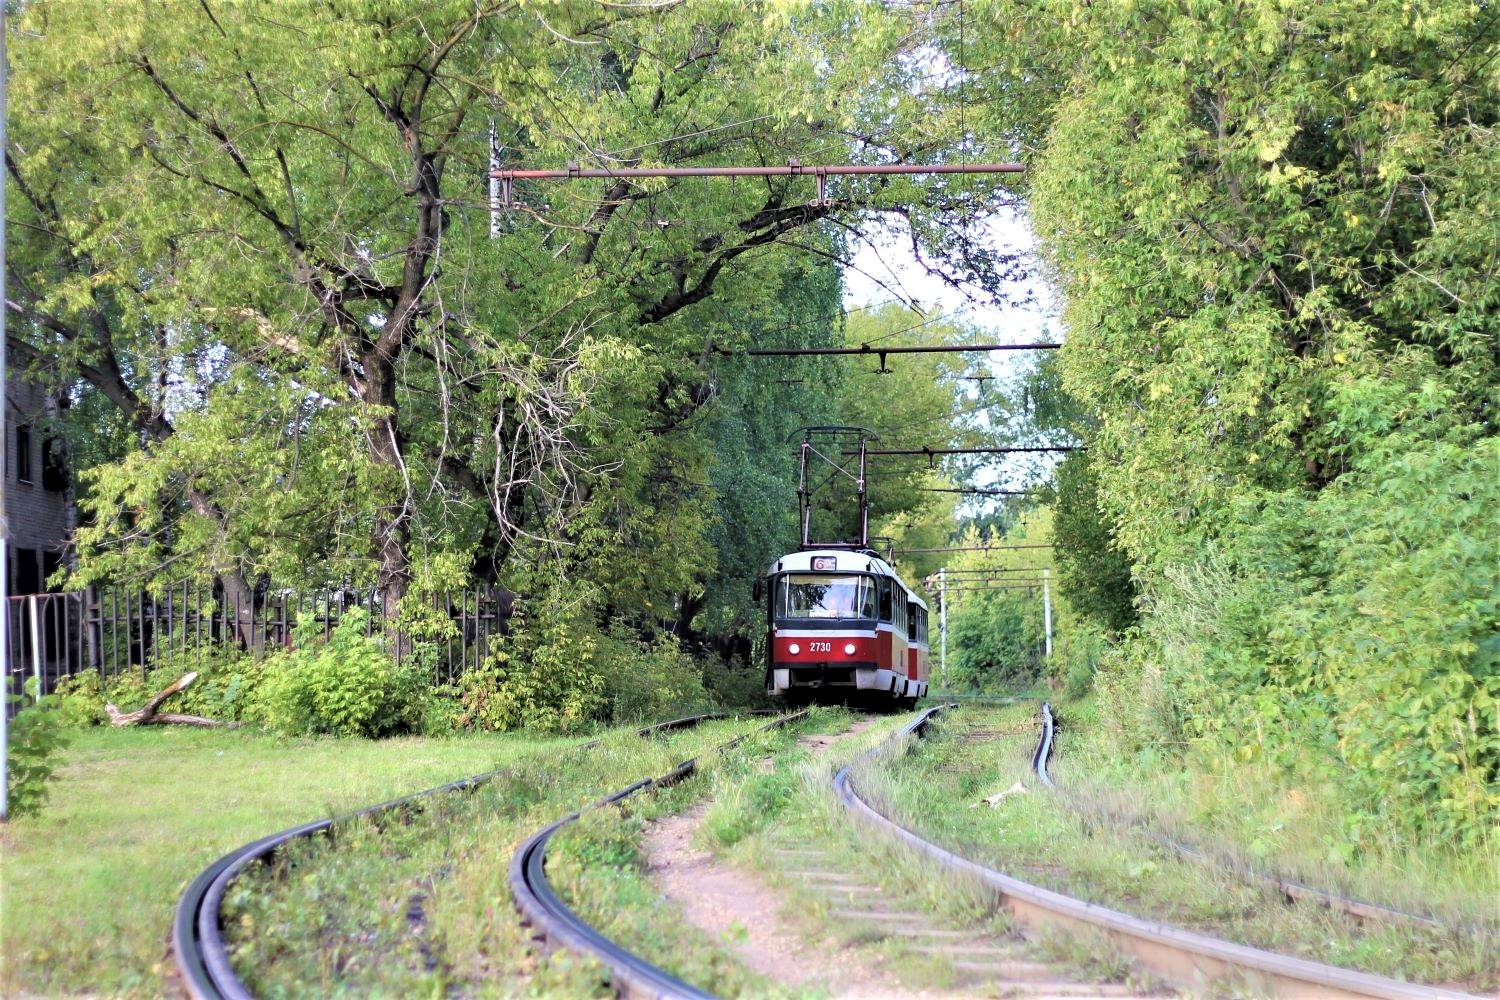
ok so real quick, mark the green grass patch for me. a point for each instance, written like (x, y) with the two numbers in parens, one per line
(417, 905)
(940, 787)
(89, 885)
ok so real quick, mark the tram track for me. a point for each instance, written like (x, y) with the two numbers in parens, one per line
(199, 950)
(556, 924)
(1180, 956)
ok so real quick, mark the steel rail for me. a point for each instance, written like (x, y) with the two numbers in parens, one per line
(1287, 887)
(198, 946)
(554, 922)
(1176, 954)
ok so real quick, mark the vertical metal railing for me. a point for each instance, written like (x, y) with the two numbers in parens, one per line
(119, 629)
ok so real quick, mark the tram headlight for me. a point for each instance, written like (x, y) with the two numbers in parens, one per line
(849, 648)
(794, 649)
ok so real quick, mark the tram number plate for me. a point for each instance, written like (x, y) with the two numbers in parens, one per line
(820, 647)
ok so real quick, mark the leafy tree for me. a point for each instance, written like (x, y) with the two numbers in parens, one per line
(1267, 223)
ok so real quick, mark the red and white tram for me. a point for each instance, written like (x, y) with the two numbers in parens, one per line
(842, 626)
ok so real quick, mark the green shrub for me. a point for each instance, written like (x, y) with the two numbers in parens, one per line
(648, 680)
(80, 699)
(227, 677)
(542, 674)
(349, 685)
(736, 684)
(995, 642)
(1076, 654)
(36, 737)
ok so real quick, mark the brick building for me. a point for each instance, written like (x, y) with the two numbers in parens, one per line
(38, 499)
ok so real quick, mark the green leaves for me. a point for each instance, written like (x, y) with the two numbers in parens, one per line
(1272, 225)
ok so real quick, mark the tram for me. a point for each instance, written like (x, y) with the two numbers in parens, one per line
(841, 624)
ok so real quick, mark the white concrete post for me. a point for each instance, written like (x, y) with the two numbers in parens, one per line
(1047, 610)
(943, 626)
(495, 206)
(36, 644)
(4, 436)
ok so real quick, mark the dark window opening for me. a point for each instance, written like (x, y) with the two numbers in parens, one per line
(23, 453)
(54, 466)
(27, 578)
(885, 599)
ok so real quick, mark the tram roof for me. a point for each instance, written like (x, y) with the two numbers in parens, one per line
(844, 561)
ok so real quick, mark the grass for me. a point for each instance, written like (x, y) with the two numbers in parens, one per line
(1251, 817)
(419, 907)
(89, 885)
(938, 790)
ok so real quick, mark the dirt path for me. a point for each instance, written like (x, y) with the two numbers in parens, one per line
(736, 907)
(740, 909)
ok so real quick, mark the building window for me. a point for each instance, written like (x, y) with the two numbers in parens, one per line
(54, 466)
(23, 453)
(27, 577)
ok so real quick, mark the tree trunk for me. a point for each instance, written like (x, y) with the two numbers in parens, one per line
(391, 534)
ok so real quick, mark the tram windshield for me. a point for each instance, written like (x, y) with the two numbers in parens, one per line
(815, 596)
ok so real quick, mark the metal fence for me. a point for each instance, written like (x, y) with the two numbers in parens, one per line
(114, 630)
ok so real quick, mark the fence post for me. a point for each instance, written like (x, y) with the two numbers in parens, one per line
(36, 644)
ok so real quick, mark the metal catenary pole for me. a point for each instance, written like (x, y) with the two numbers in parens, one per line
(1047, 609)
(943, 626)
(4, 499)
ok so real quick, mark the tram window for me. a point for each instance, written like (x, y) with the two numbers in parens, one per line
(885, 599)
(801, 596)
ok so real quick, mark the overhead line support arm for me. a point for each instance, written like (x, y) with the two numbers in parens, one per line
(793, 168)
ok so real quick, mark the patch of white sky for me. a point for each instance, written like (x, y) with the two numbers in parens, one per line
(884, 269)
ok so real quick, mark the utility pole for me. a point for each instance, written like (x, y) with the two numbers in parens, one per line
(1047, 610)
(943, 627)
(495, 206)
(4, 500)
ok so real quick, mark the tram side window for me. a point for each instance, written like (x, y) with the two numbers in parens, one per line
(885, 599)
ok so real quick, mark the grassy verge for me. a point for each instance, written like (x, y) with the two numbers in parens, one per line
(419, 907)
(89, 885)
(939, 789)
(1250, 816)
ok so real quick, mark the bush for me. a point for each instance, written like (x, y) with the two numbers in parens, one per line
(646, 681)
(736, 684)
(36, 737)
(995, 643)
(543, 674)
(349, 685)
(1076, 654)
(80, 700)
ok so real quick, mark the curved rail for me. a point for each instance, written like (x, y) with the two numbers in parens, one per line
(198, 946)
(556, 923)
(1287, 887)
(1171, 952)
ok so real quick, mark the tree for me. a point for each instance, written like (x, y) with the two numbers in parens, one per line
(1281, 309)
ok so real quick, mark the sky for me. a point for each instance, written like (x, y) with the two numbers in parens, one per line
(883, 267)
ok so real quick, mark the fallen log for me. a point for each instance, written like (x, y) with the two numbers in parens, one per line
(150, 714)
